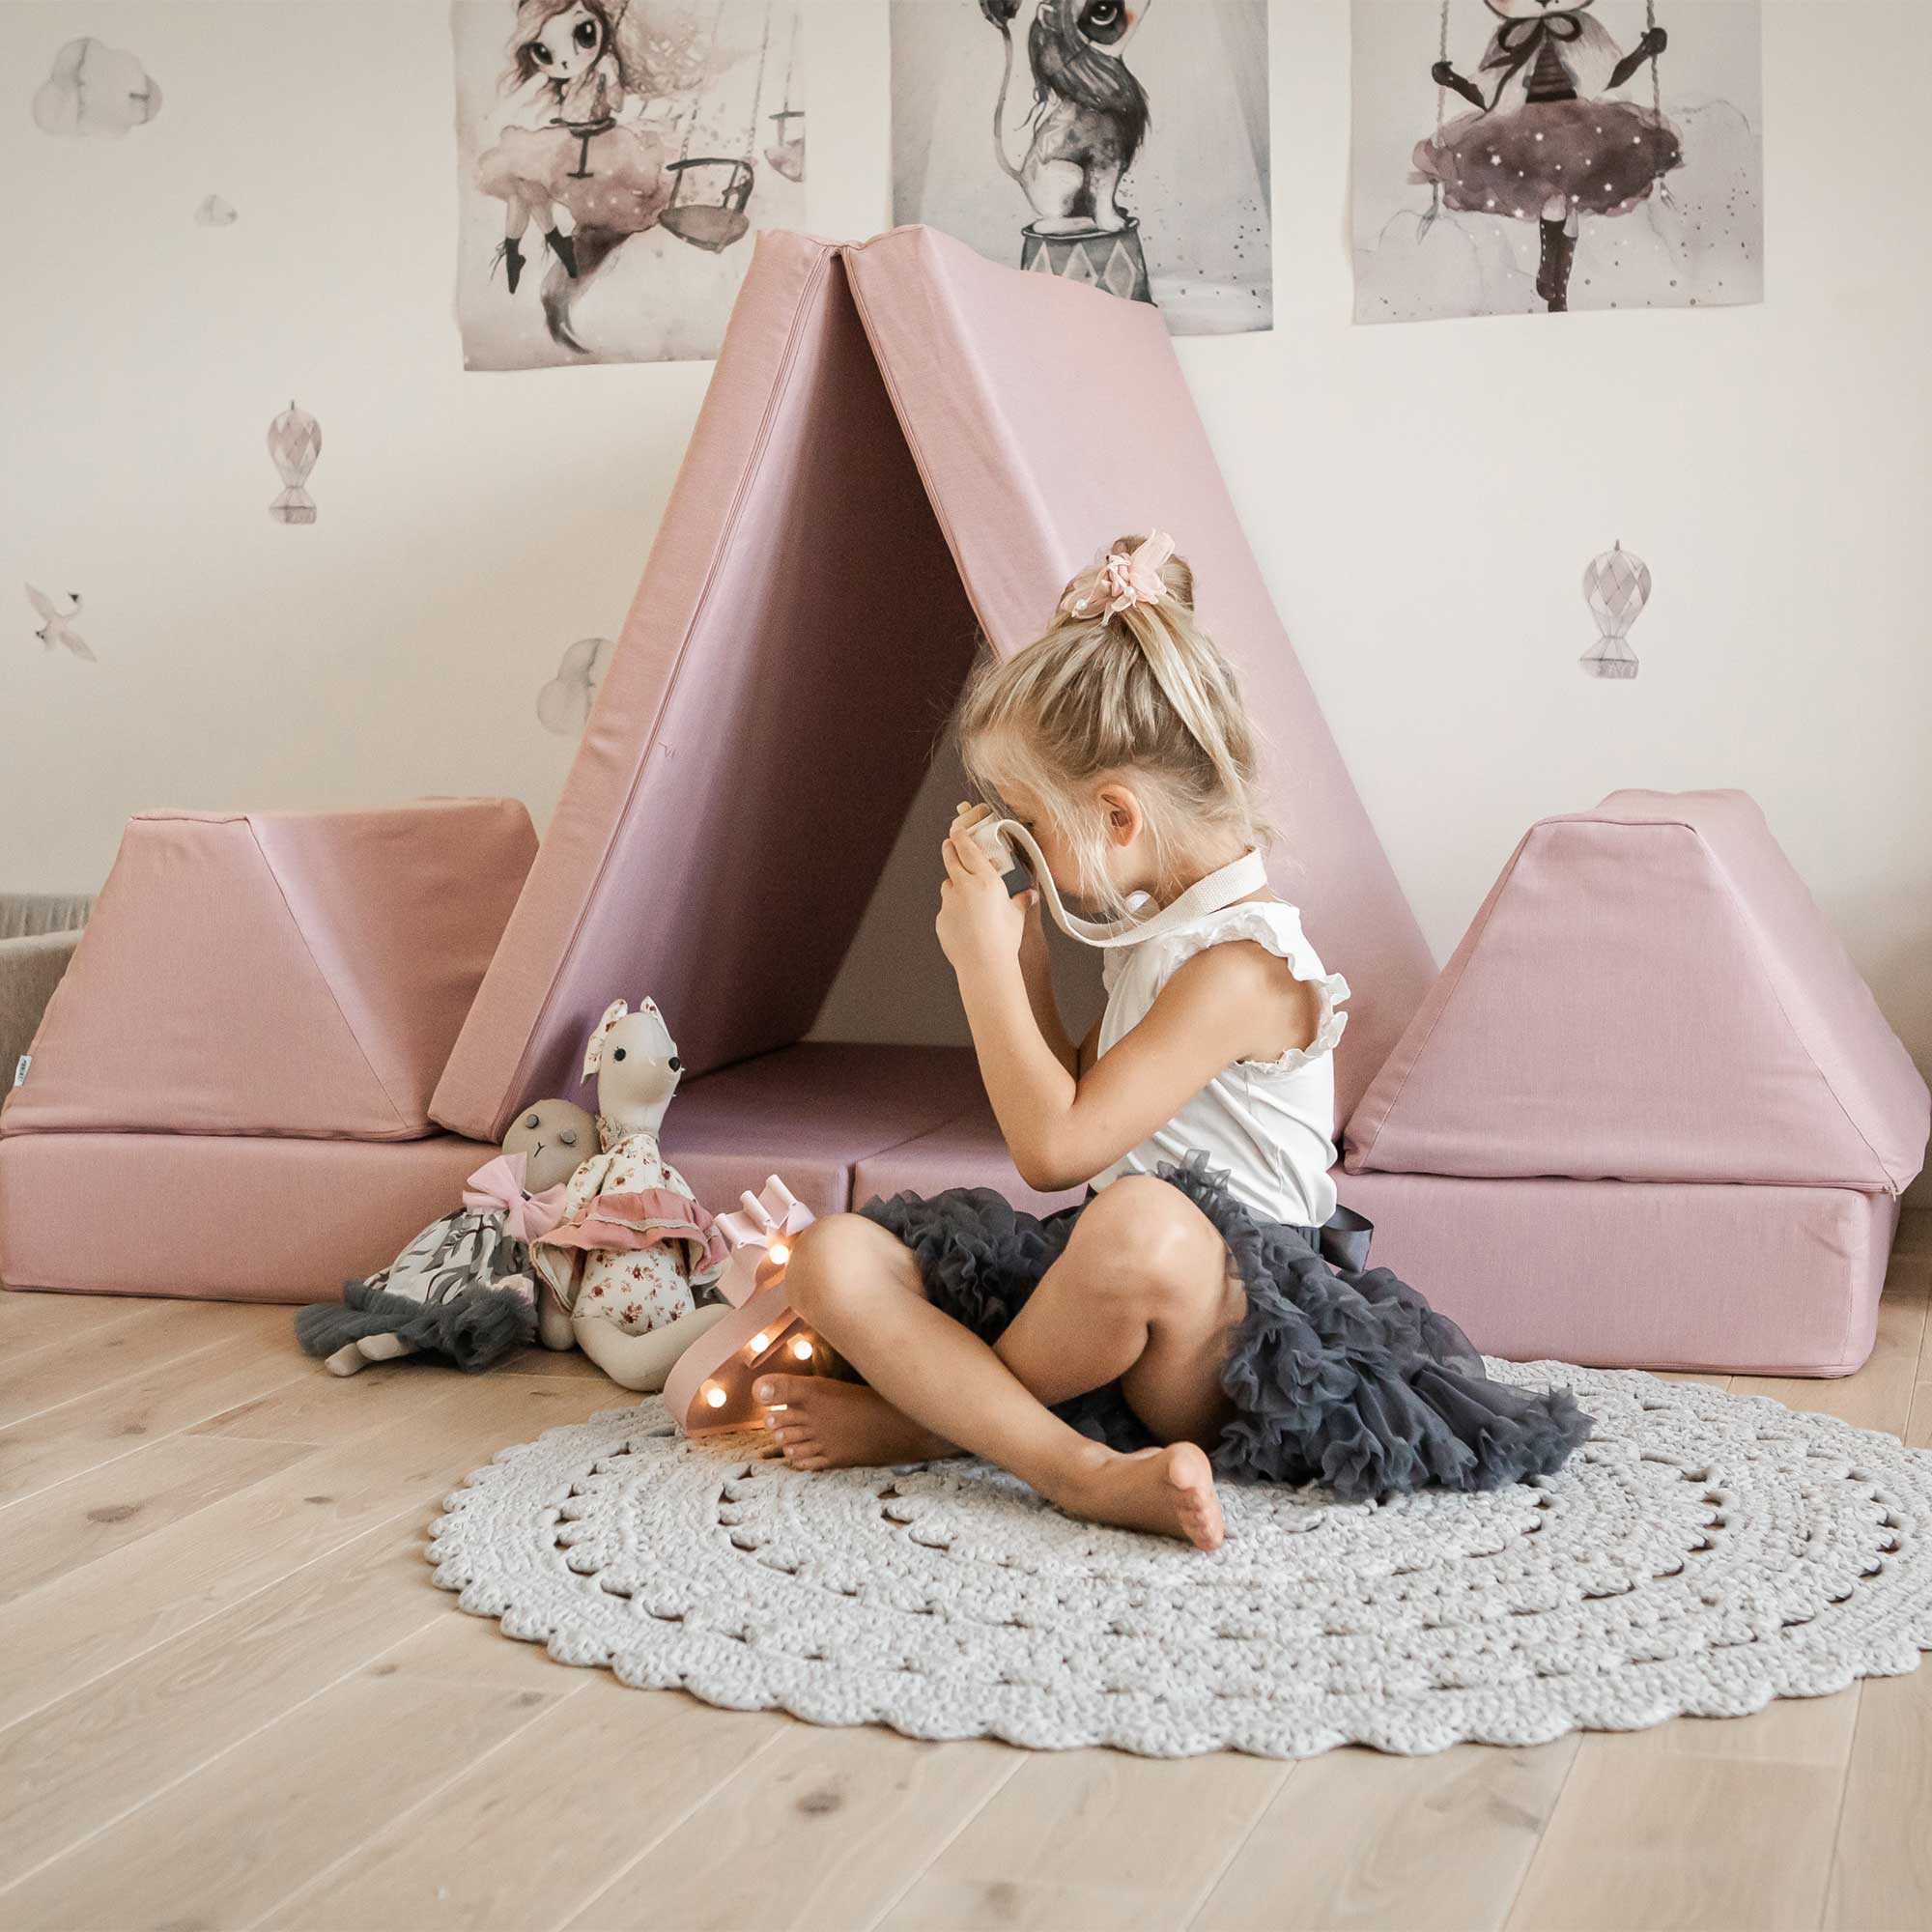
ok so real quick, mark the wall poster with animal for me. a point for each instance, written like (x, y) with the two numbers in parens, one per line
(1122, 143)
(1532, 156)
(613, 157)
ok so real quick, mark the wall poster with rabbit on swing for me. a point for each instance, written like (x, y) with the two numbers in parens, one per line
(614, 159)
(1534, 156)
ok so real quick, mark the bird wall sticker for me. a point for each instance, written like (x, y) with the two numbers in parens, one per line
(58, 626)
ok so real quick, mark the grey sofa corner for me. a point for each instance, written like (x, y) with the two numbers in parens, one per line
(39, 932)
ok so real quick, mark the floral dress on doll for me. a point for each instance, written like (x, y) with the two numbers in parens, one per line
(1337, 1373)
(633, 1244)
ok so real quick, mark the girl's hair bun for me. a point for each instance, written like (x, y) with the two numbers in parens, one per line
(1132, 570)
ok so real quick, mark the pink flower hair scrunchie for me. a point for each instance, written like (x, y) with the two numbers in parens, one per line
(1127, 578)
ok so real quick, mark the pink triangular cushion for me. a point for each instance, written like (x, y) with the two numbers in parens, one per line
(762, 727)
(1649, 993)
(257, 974)
(402, 909)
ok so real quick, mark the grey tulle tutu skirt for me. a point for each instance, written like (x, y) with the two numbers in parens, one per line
(1338, 1373)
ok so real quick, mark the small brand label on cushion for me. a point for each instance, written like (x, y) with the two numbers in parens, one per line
(21, 1066)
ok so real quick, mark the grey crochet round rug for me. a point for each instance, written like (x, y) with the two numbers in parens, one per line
(1704, 1553)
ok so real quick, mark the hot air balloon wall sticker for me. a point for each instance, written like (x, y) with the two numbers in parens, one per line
(295, 441)
(1616, 586)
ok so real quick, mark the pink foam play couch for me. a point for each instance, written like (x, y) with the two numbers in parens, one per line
(240, 1067)
(1649, 1113)
(285, 1040)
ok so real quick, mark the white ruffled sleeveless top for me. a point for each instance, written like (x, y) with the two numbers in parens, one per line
(1268, 1121)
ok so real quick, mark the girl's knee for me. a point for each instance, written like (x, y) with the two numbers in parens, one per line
(1153, 1247)
(835, 1260)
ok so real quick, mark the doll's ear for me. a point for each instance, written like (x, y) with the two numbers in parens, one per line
(593, 1055)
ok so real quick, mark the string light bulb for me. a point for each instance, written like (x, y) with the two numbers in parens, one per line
(714, 1395)
(758, 1344)
(779, 1253)
(802, 1348)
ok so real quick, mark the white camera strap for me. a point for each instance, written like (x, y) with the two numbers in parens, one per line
(1235, 880)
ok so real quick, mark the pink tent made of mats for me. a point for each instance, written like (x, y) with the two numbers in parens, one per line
(285, 1039)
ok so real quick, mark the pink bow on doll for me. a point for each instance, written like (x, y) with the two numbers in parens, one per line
(499, 1184)
(771, 1218)
(1129, 577)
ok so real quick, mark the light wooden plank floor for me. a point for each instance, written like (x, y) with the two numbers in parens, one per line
(229, 1697)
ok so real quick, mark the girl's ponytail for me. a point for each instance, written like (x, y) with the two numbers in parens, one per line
(1192, 681)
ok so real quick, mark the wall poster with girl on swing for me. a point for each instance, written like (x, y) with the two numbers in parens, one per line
(1533, 156)
(613, 157)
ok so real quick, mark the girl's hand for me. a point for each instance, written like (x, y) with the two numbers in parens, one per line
(966, 815)
(979, 925)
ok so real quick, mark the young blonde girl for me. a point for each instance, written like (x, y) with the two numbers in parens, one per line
(1204, 1308)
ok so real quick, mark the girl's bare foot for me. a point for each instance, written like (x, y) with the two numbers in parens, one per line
(837, 1425)
(1169, 1491)
(834, 1425)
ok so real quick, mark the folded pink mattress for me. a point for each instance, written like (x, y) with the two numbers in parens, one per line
(279, 1218)
(812, 1114)
(903, 448)
(224, 1218)
(1736, 1280)
(1648, 1114)
(792, 650)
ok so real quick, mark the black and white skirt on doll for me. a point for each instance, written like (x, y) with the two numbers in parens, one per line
(461, 1289)
(1337, 1373)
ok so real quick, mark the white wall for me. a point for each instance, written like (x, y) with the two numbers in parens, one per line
(1423, 499)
